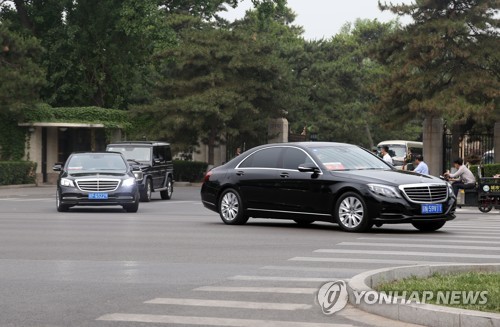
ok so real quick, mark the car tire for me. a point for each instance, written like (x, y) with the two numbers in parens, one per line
(351, 213)
(148, 190)
(428, 226)
(133, 207)
(59, 206)
(167, 194)
(485, 206)
(231, 208)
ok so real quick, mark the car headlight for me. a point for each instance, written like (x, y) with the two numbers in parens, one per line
(138, 175)
(384, 190)
(67, 182)
(128, 182)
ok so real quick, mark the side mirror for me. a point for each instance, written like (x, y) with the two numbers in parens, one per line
(57, 167)
(309, 168)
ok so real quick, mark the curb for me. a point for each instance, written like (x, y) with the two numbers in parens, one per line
(418, 313)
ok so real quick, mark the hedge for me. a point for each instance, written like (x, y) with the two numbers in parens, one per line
(489, 170)
(189, 171)
(17, 172)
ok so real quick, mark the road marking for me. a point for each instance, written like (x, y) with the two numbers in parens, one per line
(411, 253)
(425, 240)
(210, 321)
(299, 268)
(358, 260)
(285, 279)
(460, 236)
(427, 246)
(284, 290)
(232, 304)
(25, 200)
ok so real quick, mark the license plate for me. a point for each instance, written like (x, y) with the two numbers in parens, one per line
(430, 209)
(98, 196)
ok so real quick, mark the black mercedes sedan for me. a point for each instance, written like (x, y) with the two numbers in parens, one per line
(323, 181)
(97, 178)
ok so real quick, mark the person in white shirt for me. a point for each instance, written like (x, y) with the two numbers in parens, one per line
(422, 167)
(385, 154)
(464, 178)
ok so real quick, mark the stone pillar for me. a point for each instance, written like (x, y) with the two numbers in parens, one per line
(278, 130)
(433, 145)
(496, 141)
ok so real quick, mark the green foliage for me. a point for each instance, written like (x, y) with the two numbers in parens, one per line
(12, 137)
(21, 75)
(17, 172)
(445, 63)
(111, 118)
(489, 170)
(189, 171)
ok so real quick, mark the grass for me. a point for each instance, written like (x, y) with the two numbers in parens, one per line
(445, 284)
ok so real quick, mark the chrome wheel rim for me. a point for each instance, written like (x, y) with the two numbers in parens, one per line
(169, 188)
(351, 212)
(229, 206)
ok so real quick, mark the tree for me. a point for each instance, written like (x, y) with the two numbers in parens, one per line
(445, 63)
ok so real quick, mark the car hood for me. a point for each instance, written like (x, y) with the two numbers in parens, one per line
(391, 177)
(102, 174)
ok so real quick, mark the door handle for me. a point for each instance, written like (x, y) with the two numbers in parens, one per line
(240, 173)
(284, 175)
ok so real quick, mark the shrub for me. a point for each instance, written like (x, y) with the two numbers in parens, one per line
(489, 170)
(17, 172)
(189, 171)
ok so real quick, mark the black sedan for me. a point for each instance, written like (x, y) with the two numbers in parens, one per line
(97, 178)
(323, 181)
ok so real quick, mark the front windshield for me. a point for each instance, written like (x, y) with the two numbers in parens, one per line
(348, 157)
(101, 161)
(133, 153)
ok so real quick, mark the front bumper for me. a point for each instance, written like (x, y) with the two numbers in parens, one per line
(72, 196)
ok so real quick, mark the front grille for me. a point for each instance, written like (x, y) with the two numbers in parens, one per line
(97, 185)
(425, 193)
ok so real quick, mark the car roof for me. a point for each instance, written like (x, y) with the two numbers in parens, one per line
(153, 143)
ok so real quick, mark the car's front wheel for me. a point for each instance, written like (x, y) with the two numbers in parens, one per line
(59, 206)
(351, 213)
(148, 189)
(167, 194)
(428, 226)
(132, 207)
(231, 208)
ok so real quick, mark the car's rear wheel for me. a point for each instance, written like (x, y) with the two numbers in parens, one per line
(428, 226)
(148, 189)
(231, 208)
(167, 194)
(59, 206)
(351, 213)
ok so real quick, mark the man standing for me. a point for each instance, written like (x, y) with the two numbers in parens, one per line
(464, 179)
(385, 154)
(422, 167)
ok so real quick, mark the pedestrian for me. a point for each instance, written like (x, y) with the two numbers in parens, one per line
(385, 154)
(463, 178)
(238, 151)
(422, 167)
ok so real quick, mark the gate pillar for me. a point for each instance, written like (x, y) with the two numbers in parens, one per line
(433, 144)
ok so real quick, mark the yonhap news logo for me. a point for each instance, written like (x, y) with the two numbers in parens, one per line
(332, 297)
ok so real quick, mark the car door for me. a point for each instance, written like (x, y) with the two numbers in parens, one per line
(159, 166)
(301, 192)
(258, 179)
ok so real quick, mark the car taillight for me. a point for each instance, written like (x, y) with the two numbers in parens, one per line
(207, 176)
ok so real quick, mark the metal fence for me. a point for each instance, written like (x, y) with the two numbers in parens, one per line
(472, 148)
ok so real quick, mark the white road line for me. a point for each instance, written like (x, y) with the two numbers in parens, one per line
(25, 200)
(411, 253)
(298, 268)
(492, 230)
(427, 246)
(283, 290)
(460, 236)
(425, 240)
(285, 279)
(232, 304)
(359, 260)
(210, 321)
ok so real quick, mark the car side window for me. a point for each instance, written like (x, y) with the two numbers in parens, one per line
(266, 158)
(293, 158)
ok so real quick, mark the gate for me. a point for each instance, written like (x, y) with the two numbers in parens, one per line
(470, 147)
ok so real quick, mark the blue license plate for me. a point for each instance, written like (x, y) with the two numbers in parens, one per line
(98, 196)
(431, 209)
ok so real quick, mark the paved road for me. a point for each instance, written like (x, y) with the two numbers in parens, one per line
(175, 263)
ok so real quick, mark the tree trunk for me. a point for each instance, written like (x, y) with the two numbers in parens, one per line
(23, 15)
(211, 146)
